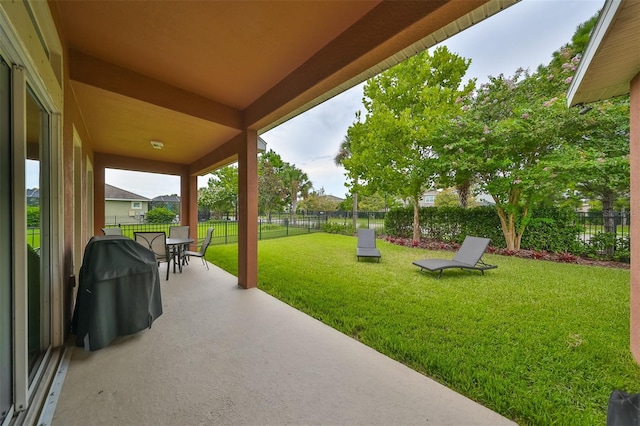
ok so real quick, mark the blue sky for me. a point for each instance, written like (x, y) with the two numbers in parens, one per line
(524, 35)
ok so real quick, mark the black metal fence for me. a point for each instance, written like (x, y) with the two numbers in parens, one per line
(604, 234)
(596, 222)
(226, 231)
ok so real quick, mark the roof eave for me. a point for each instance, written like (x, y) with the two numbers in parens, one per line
(607, 16)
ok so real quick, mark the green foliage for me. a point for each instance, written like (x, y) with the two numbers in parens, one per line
(318, 201)
(296, 185)
(608, 245)
(372, 202)
(160, 215)
(390, 151)
(33, 216)
(449, 197)
(539, 342)
(338, 228)
(551, 229)
(221, 194)
(398, 222)
(271, 192)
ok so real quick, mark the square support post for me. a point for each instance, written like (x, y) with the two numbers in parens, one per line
(189, 203)
(98, 195)
(634, 159)
(248, 210)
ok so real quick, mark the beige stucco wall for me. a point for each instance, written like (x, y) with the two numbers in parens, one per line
(123, 209)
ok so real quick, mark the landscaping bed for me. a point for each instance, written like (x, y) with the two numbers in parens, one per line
(429, 244)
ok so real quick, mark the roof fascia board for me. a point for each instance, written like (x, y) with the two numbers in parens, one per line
(601, 29)
(485, 11)
(355, 42)
(111, 161)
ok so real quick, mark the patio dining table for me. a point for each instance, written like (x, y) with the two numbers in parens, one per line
(176, 246)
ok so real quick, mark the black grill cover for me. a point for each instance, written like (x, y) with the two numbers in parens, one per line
(118, 293)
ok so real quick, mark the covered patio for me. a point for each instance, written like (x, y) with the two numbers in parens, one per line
(91, 85)
(221, 355)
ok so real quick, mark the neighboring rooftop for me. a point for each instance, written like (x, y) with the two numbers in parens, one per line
(114, 193)
(173, 198)
(333, 198)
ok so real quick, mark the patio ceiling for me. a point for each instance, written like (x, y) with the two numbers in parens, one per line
(612, 58)
(194, 74)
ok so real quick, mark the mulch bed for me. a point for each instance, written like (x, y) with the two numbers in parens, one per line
(526, 254)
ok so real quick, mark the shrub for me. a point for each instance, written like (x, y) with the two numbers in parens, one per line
(553, 230)
(160, 215)
(608, 245)
(337, 228)
(33, 216)
(549, 229)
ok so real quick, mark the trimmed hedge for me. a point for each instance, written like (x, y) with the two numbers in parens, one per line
(549, 229)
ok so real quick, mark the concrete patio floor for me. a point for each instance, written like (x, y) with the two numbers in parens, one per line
(223, 355)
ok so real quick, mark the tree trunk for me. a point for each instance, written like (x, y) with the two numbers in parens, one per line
(511, 236)
(463, 194)
(416, 221)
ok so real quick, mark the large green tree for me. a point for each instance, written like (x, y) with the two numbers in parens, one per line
(271, 192)
(392, 150)
(344, 153)
(508, 130)
(221, 193)
(296, 186)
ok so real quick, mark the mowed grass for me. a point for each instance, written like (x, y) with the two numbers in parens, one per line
(539, 342)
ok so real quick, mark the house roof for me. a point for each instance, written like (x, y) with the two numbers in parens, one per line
(194, 74)
(612, 58)
(113, 193)
(166, 199)
(333, 198)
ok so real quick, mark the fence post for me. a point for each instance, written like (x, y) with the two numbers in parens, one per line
(259, 229)
(226, 230)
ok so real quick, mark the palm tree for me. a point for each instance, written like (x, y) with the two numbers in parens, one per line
(343, 153)
(297, 184)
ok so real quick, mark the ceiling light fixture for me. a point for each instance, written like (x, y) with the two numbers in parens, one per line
(157, 144)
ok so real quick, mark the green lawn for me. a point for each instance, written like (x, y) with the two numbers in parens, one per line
(539, 342)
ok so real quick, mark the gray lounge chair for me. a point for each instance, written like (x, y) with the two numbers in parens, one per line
(469, 256)
(367, 244)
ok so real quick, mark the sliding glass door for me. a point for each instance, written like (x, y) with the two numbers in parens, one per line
(25, 217)
(38, 226)
(6, 259)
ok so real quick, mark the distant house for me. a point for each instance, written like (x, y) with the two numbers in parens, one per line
(333, 199)
(169, 202)
(121, 206)
(428, 199)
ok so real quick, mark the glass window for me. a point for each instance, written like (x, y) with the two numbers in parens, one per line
(38, 218)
